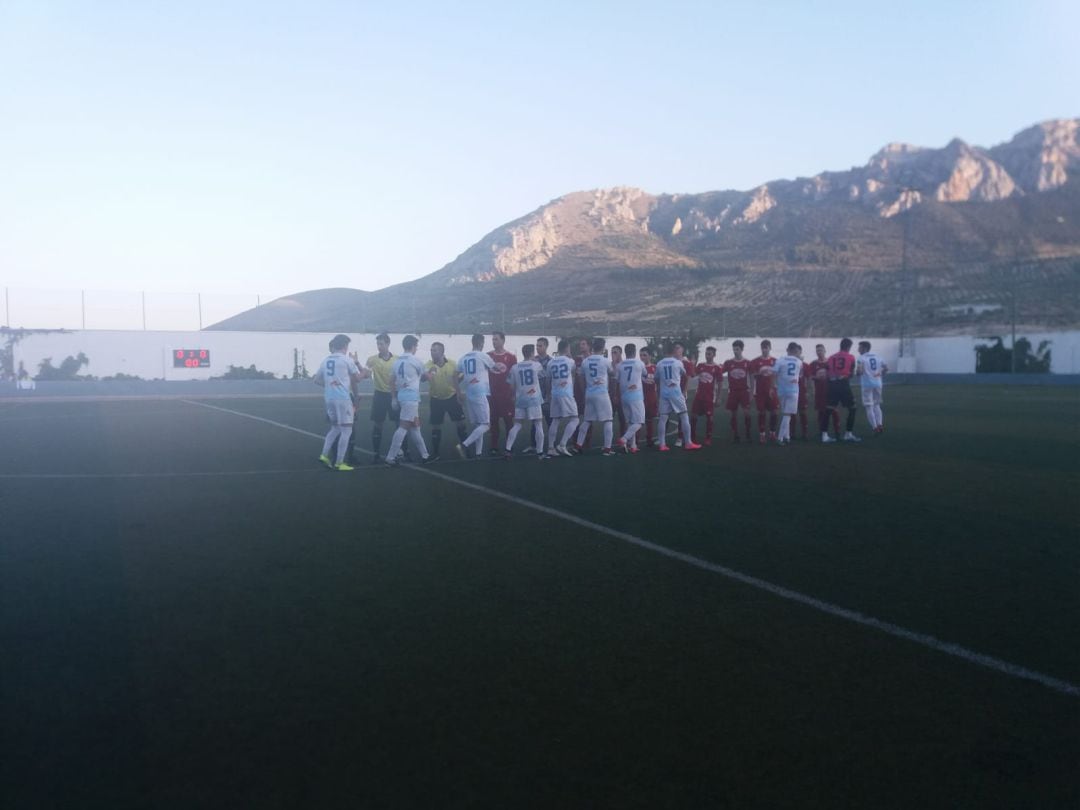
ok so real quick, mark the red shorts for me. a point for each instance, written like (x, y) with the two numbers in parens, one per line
(502, 409)
(738, 399)
(766, 402)
(702, 407)
(802, 399)
(652, 407)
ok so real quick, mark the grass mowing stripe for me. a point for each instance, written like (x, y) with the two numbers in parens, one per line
(931, 642)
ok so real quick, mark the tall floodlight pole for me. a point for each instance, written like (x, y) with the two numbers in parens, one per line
(144, 311)
(7, 307)
(200, 310)
(904, 278)
(82, 295)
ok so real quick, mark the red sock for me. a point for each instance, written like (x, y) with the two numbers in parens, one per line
(648, 429)
(708, 426)
(761, 421)
(802, 422)
(746, 420)
(734, 425)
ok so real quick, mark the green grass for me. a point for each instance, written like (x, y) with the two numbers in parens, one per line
(286, 636)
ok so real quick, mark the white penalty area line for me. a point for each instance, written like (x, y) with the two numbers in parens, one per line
(854, 616)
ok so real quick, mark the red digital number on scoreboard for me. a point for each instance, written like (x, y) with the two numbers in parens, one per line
(191, 358)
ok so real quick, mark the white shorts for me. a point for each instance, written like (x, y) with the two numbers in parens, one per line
(634, 412)
(871, 395)
(531, 412)
(598, 409)
(340, 411)
(478, 411)
(410, 412)
(676, 404)
(789, 403)
(562, 407)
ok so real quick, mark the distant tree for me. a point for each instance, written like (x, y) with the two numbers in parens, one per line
(68, 369)
(995, 358)
(691, 339)
(120, 377)
(249, 373)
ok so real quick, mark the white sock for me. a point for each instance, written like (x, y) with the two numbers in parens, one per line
(512, 435)
(477, 436)
(568, 431)
(538, 434)
(395, 443)
(553, 434)
(684, 420)
(330, 436)
(582, 431)
(785, 427)
(630, 437)
(878, 421)
(661, 430)
(609, 429)
(344, 432)
(418, 441)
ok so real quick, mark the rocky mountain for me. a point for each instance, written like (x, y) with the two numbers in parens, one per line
(943, 229)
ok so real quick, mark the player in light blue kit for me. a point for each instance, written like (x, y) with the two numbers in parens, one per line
(408, 372)
(528, 400)
(669, 376)
(474, 386)
(336, 375)
(871, 371)
(632, 397)
(560, 372)
(596, 369)
(788, 370)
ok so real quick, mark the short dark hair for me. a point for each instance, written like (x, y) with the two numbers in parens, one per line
(679, 344)
(477, 341)
(437, 343)
(793, 346)
(540, 340)
(738, 344)
(528, 350)
(765, 343)
(630, 349)
(408, 343)
(865, 343)
(500, 335)
(339, 342)
(820, 346)
(563, 345)
(845, 344)
(598, 344)
(385, 338)
(617, 348)
(710, 349)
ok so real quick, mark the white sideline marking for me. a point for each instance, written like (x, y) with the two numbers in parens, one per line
(931, 642)
(214, 474)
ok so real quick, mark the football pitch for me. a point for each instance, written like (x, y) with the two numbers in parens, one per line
(195, 613)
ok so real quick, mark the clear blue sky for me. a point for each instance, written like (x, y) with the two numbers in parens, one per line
(264, 147)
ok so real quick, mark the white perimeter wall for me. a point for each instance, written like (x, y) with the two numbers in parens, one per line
(149, 354)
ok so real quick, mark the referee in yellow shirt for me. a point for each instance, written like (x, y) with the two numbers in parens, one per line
(442, 382)
(381, 366)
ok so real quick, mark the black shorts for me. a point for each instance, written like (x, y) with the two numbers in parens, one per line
(446, 407)
(382, 407)
(840, 394)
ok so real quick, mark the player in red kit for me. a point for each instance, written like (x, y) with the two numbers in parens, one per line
(818, 371)
(841, 368)
(652, 403)
(738, 376)
(502, 392)
(763, 385)
(708, 375)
